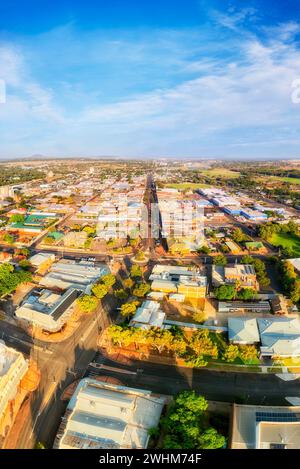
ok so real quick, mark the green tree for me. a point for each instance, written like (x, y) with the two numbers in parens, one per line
(121, 294)
(109, 280)
(87, 303)
(225, 292)
(231, 353)
(246, 294)
(128, 283)
(238, 236)
(128, 309)
(100, 290)
(8, 238)
(141, 290)
(248, 353)
(220, 259)
(135, 271)
(202, 344)
(211, 439)
(186, 426)
(17, 218)
(24, 264)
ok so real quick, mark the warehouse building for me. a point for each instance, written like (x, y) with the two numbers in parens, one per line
(68, 273)
(106, 416)
(47, 310)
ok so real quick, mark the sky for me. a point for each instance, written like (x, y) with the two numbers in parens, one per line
(160, 78)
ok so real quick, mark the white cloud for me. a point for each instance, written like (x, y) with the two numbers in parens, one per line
(218, 104)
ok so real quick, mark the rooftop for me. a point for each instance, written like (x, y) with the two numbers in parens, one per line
(103, 415)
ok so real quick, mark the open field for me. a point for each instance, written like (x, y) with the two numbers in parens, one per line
(290, 180)
(287, 240)
(220, 172)
(183, 186)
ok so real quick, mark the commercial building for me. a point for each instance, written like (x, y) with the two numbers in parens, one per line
(42, 261)
(106, 416)
(253, 215)
(265, 427)
(177, 279)
(240, 275)
(13, 367)
(71, 273)
(48, 310)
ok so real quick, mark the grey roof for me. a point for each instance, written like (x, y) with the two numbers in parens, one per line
(243, 330)
(280, 336)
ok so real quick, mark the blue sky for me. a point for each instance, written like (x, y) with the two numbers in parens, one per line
(193, 78)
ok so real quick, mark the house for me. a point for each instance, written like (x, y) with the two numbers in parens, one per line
(265, 427)
(243, 331)
(279, 305)
(239, 275)
(106, 416)
(148, 315)
(280, 337)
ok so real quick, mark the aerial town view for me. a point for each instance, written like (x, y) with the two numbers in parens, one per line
(149, 229)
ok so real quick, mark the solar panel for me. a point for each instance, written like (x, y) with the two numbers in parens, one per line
(277, 446)
(277, 417)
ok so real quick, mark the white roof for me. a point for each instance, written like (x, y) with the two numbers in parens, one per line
(280, 336)
(296, 263)
(38, 259)
(110, 416)
(148, 314)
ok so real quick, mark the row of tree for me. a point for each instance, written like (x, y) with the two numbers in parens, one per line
(196, 348)
(290, 280)
(88, 303)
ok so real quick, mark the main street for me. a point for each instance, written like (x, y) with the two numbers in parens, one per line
(60, 364)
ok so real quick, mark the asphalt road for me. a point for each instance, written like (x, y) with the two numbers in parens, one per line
(60, 364)
(250, 388)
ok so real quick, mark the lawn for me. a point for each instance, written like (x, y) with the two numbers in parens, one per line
(290, 180)
(287, 240)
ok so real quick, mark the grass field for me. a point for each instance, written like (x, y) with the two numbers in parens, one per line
(287, 240)
(290, 180)
(183, 186)
(220, 172)
(279, 179)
